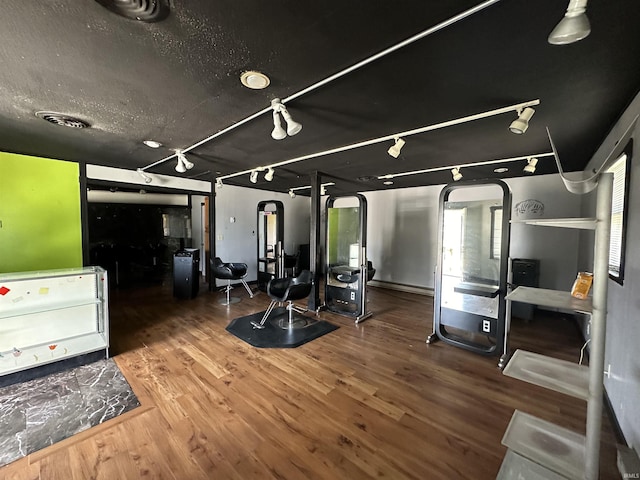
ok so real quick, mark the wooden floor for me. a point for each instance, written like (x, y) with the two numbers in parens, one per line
(365, 401)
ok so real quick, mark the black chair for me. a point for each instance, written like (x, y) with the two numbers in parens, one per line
(230, 271)
(370, 271)
(287, 289)
(290, 264)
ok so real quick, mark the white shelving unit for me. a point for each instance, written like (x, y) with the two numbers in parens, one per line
(52, 315)
(556, 450)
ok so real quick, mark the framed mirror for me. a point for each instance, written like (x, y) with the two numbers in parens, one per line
(471, 271)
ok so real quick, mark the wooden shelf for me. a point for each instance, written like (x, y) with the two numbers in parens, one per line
(558, 449)
(550, 298)
(558, 375)
(577, 223)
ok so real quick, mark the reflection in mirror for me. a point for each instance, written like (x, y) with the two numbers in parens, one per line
(343, 232)
(346, 261)
(471, 280)
(270, 238)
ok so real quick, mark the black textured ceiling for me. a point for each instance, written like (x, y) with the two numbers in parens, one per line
(176, 81)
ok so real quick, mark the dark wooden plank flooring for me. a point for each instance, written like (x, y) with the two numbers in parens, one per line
(365, 401)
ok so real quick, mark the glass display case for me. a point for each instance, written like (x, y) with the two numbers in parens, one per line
(52, 315)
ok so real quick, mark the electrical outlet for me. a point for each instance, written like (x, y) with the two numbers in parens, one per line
(353, 295)
(486, 326)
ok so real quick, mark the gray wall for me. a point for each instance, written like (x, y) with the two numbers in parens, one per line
(623, 303)
(402, 232)
(237, 241)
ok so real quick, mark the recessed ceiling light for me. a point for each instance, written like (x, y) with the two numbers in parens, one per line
(388, 182)
(152, 143)
(500, 170)
(254, 80)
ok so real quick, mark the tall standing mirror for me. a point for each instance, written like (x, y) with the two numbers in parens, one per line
(270, 241)
(471, 271)
(346, 256)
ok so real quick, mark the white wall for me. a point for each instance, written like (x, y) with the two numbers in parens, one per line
(237, 241)
(403, 223)
(623, 303)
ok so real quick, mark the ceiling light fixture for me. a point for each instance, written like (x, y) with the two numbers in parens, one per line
(388, 182)
(394, 150)
(278, 133)
(253, 178)
(292, 194)
(464, 165)
(152, 143)
(322, 187)
(219, 183)
(530, 167)
(293, 127)
(449, 123)
(147, 178)
(183, 163)
(254, 80)
(500, 170)
(269, 175)
(573, 27)
(520, 124)
(455, 173)
(346, 71)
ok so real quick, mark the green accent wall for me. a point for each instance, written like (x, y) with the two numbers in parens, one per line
(39, 213)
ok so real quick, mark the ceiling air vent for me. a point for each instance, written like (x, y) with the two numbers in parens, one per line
(62, 119)
(141, 10)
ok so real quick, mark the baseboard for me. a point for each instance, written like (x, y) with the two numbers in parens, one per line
(608, 406)
(401, 287)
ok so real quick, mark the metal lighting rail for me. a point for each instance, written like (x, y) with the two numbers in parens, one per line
(464, 165)
(428, 128)
(294, 189)
(342, 73)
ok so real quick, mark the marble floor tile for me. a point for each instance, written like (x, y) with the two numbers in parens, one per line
(40, 412)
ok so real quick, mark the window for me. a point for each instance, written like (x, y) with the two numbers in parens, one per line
(620, 169)
(496, 232)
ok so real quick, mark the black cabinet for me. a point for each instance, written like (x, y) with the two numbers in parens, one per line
(525, 272)
(186, 271)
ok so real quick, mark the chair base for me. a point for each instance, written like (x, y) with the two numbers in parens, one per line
(229, 301)
(293, 323)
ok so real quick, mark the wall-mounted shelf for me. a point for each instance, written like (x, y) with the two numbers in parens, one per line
(51, 316)
(559, 375)
(557, 448)
(578, 223)
(517, 467)
(565, 452)
(551, 298)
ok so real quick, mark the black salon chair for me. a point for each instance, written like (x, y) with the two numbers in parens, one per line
(288, 290)
(230, 271)
(370, 271)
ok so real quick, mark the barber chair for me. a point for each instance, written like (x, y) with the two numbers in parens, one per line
(230, 271)
(288, 290)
